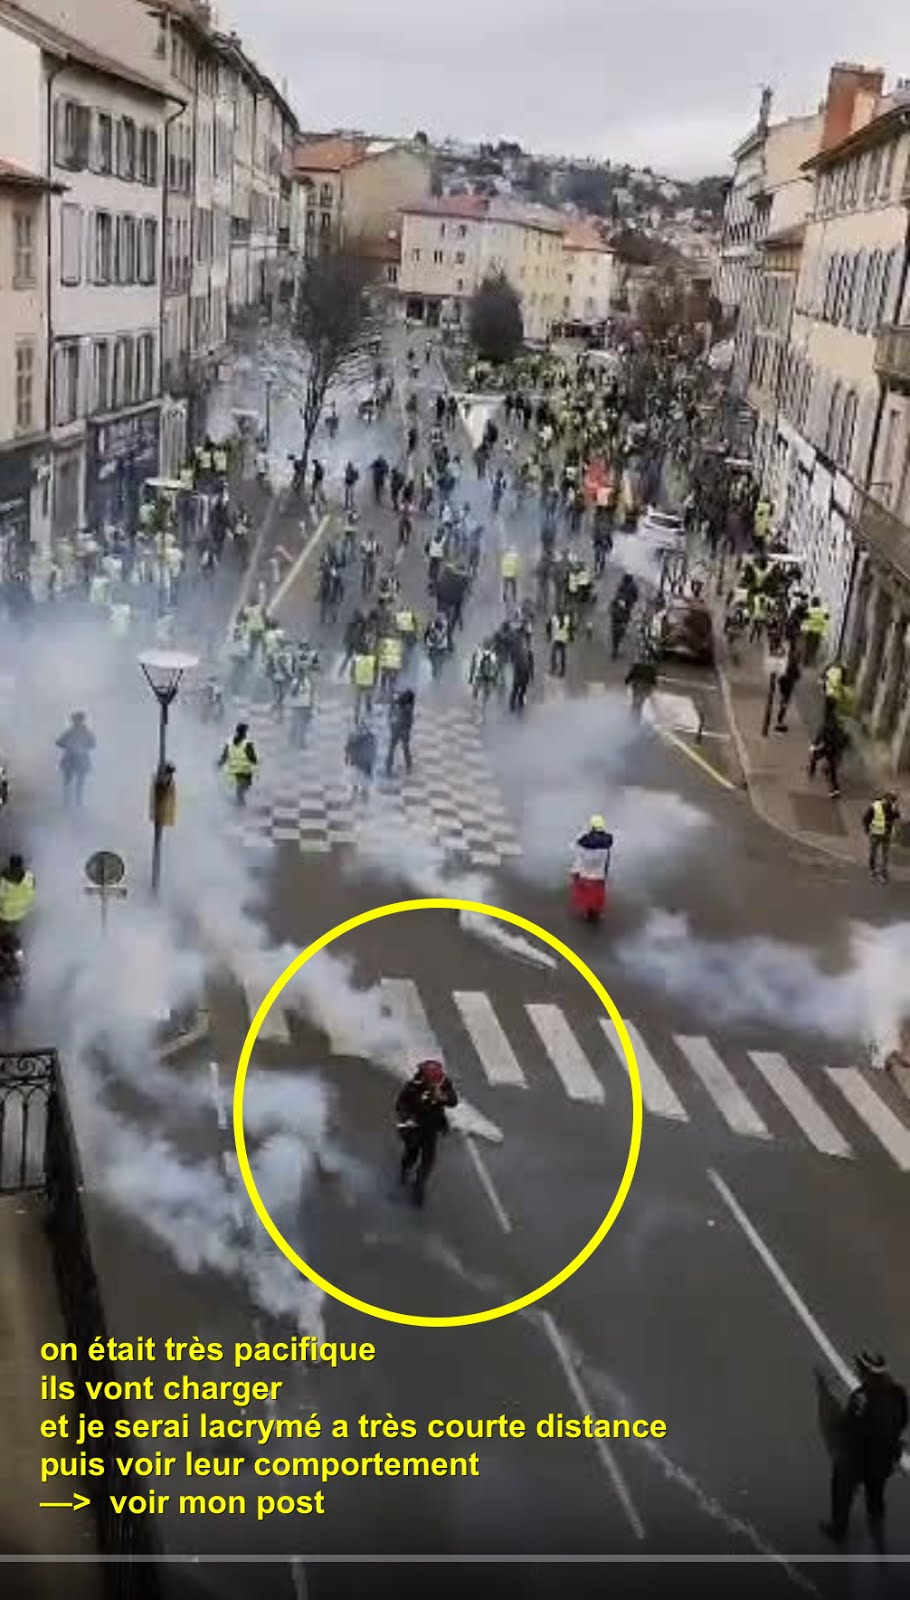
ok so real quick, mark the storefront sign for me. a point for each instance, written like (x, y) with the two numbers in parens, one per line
(127, 439)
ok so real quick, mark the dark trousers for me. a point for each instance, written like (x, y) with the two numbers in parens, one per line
(848, 1476)
(419, 1152)
(519, 690)
(401, 736)
(879, 852)
(558, 658)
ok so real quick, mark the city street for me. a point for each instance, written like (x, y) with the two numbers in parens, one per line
(760, 1235)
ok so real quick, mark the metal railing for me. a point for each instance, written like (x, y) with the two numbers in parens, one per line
(38, 1152)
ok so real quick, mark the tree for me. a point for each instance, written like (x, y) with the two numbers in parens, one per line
(495, 321)
(333, 322)
(590, 189)
(421, 139)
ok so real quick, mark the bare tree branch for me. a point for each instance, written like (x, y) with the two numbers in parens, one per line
(333, 323)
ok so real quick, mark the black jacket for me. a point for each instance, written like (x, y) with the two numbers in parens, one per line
(874, 1419)
(425, 1106)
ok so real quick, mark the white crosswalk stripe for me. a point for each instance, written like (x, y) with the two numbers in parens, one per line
(507, 1063)
(256, 982)
(578, 1076)
(871, 1108)
(802, 1106)
(658, 1097)
(733, 1105)
(496, 1055)
(401, 997)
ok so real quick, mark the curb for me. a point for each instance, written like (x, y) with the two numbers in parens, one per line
(200, 1030)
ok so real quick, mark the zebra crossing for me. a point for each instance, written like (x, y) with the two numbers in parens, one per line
(758, 1095)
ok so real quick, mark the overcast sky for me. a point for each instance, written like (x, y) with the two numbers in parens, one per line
(667, 83)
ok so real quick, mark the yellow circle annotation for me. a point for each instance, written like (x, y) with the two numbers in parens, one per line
(271, 1228)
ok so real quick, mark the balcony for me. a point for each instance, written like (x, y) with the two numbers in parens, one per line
(883, 533)
(892, 355)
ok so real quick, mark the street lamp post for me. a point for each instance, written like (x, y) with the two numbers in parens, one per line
(163, 670)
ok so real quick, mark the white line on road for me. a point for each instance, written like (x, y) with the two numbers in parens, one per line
(298, 1578)
(888, 1129)
(496, 1054)
(221, 1115)
(585, 1409)
(294, 571)
(487, 1184)
(402, 998)
(571, 1063)
(256, 985)
(802, 1106)
(657, 1095)
(846, 1373)
(736, 1110)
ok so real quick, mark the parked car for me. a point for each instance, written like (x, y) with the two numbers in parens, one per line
(688, 632)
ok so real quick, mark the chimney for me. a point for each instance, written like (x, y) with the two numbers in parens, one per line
(764, 110)
(851, 89)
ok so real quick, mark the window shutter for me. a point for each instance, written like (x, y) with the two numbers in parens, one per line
(862, 439)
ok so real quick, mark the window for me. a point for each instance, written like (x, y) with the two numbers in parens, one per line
(442, 230)
(438, 257)
(70, 245)
(847, 431)
(23, 249)
(884, 186)
(148, 156)
(325, 222)
(126, 250)
(123, 373)
(459, 258)
(126, 164)
(859, 288)
(66, 383)
(833, 424)
(852, 191)
(459, 285)
(871, 291)
(391, 272)
(104, 143)
(885, 310)
(462, 230)
(145, 366)
(872, 176)
(415, 255)
(25, 385)
(148, 250)
(72, 134)
(101, 375)
(325, 194)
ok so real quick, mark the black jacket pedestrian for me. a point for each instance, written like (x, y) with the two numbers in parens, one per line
(873, 1423)
(425, 1105)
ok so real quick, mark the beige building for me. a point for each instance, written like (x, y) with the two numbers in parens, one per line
(587, 275)
(449, 245)
(24, 490)
(354, 189)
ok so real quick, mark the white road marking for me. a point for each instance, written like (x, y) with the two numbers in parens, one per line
(578, 1077)
(802, 1106)
(736, 1110)
(496, 1054)
(672, 712)
(256, 984)
(487, 1184)
(294, 571)
(844, 1371)
(298, 1579)
(401, 996)
(585, 1409)
(657, 1095)
(871, 1108)
(221, 1116)
(235, 1189)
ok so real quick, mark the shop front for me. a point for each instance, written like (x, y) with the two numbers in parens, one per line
(122, 454)
(15, 513)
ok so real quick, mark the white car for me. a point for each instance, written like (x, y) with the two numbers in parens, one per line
(661, 524)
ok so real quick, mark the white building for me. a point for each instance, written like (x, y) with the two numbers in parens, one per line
(24, 496)
(588, 279)
(94, 127)
(449, 245)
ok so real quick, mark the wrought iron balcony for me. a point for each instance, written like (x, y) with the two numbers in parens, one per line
(884, 534)
(892, 354)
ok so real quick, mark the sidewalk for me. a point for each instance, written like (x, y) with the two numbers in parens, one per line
(775, 766)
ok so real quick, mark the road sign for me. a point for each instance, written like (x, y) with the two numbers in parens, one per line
(105, 869)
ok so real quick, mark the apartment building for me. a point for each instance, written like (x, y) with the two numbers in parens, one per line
(94, 128)
(449, 245)
(354, 189)
(587, 272)
(24, 492)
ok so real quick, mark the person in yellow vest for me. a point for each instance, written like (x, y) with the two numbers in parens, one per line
(186, 478)
(363, 677)
(220, 460)
(239, 760)
(834, 684)
(509, 569)
(764, 515)
(391, 660)
(880, 821)
(814, 628)
(17, 899)
(759, 612)
(560, 631)
(406, 623)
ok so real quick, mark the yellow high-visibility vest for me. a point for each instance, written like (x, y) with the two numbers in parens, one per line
(510, 564)
(390, 656)
(816, 621)
(405, 622)
(221, 461)
(364, 671)
(879, 824)
(239, 764)
(834, 682)
(16, 899)
(560, 630)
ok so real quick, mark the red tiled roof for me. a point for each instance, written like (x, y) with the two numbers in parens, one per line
(329, 155)
(388, 249)
(472, 207)
(583, 235)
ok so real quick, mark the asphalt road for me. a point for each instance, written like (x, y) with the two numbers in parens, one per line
(762, 1233)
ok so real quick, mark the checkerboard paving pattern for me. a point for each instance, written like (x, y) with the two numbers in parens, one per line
(451, 800)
